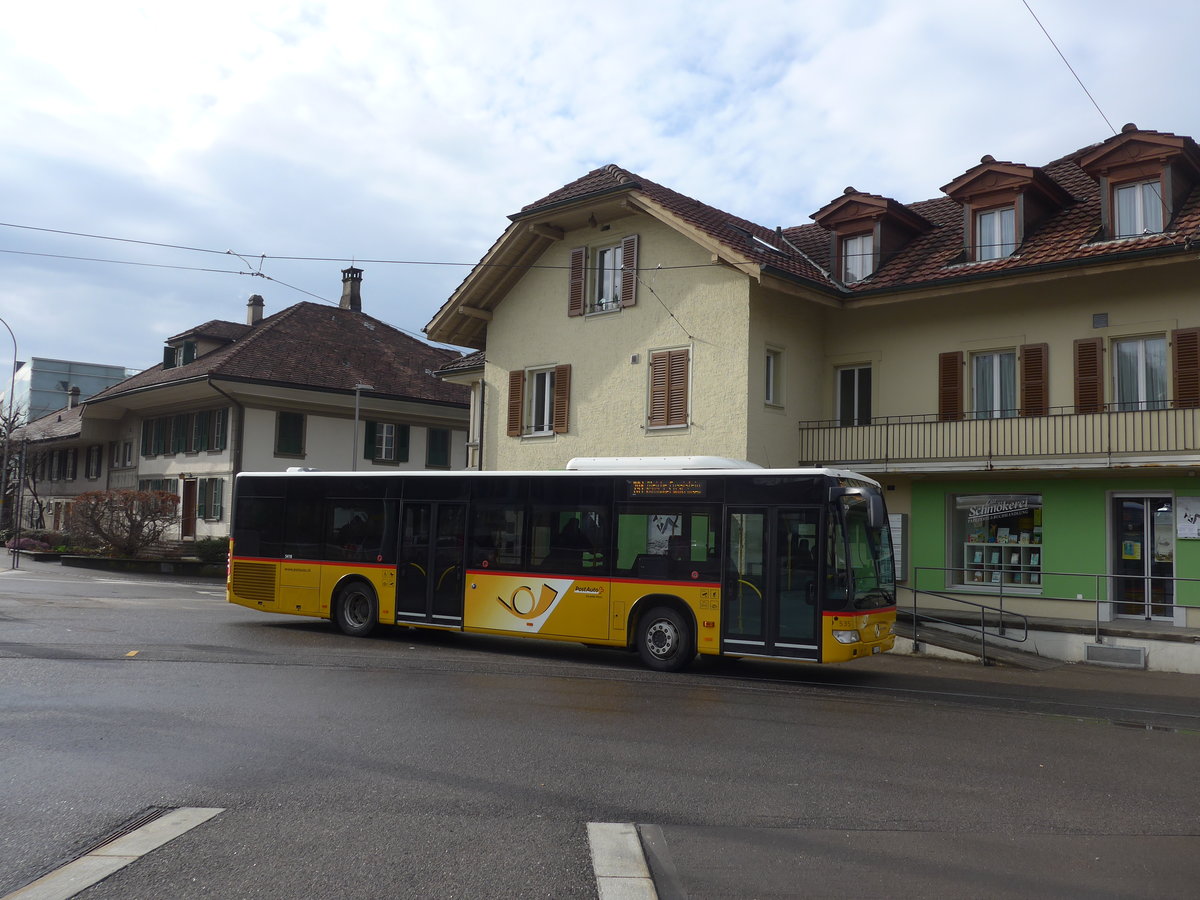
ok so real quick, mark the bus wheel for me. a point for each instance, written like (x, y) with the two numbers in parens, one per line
(357, 610)
(665, 640)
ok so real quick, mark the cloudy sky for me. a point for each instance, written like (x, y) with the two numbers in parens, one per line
(400, 134)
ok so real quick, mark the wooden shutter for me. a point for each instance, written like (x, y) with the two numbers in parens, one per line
(950, 386)
(1035, 388)
(562, 396)
(202, 492)
(516, 401)
(1185, 366)
(576, 282)
(629, 273)
(368, 440)
(669, 388)
(1089, 375)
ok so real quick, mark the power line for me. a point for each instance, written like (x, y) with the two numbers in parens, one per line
(1069, 66)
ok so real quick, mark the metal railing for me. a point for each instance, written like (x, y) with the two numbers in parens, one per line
(1063, 432)
(1099, 590)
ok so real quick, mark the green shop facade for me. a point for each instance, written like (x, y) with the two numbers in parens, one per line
(1061, 546)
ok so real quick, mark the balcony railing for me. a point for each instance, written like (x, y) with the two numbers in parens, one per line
(1112, 437)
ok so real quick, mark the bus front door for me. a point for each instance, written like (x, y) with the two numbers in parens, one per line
(429, 564)
(769, 598)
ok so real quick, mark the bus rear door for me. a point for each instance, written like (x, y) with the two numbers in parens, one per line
(770, 592)
(429, 564)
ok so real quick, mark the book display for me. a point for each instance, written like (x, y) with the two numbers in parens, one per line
(1000, 539)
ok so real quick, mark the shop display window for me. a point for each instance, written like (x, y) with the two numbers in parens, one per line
(996, 541)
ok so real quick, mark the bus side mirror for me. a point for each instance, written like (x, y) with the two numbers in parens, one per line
(876, 511)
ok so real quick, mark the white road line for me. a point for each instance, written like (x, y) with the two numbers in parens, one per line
(618, 862)
(67, 881)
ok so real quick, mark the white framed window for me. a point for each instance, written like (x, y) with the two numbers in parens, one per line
(1140, 373)
(995, 233)
(994, 384)
(539, 417)
(773, 387)
(385, 441)
(858, 257)
(1138, 208)
(854, 395)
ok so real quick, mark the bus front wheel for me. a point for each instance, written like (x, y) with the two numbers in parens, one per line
(665, 640)
(357, 610)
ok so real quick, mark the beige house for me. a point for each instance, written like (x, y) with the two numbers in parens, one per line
(1018, 360)
(311, 386)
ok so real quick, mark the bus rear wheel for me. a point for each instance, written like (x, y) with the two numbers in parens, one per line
(357, 609)
(665, 640)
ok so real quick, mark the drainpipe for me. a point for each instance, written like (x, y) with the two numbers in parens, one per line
(235, 448)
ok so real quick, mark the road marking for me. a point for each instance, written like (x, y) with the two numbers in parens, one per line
(133, 653)
(618, 862)
(67, 881)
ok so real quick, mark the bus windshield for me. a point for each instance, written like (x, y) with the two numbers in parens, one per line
(861, 557)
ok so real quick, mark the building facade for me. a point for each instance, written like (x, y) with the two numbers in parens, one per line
(1017, 360)
(312, 386)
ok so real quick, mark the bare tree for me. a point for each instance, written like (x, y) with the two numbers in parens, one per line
(125, 523)
(10, 419)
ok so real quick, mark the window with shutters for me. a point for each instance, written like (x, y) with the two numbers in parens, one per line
(386, 442)
(539, 401)
(1140, 373)
(603, 278)
(209, 497)
(669, 388)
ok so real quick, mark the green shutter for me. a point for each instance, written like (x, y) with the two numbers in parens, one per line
(401, 443)
(220, 428)
(369, 440)
(189, 352)
(202, 499)
(218, 495)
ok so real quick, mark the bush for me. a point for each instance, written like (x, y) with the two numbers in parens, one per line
(27, 543)
(211, 550)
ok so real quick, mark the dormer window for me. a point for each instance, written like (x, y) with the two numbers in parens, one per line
(858, 257)
(1139, 208)
(1144, 178)
(995, 233)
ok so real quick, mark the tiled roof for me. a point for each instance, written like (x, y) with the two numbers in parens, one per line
(1066, 236)
(315, 346)
(58, 425)
(217, 329)
(466, 361)
(733, 231)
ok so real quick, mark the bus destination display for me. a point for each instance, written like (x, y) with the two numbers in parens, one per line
(667, 487)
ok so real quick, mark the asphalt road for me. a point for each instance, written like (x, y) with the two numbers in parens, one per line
(416, 764)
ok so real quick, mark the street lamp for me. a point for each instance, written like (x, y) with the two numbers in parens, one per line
(354, 449)
(12, 389)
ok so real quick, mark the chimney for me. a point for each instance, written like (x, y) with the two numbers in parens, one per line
(352, 289)
(254, 308)
(73, 397)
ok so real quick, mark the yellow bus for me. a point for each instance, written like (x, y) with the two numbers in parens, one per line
(668, 557)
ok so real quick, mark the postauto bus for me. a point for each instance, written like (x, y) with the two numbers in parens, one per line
(668, 556)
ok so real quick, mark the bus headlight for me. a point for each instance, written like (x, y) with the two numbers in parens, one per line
(846, 637)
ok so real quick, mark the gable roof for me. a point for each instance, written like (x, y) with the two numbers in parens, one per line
(310, 345)
(803, 254)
